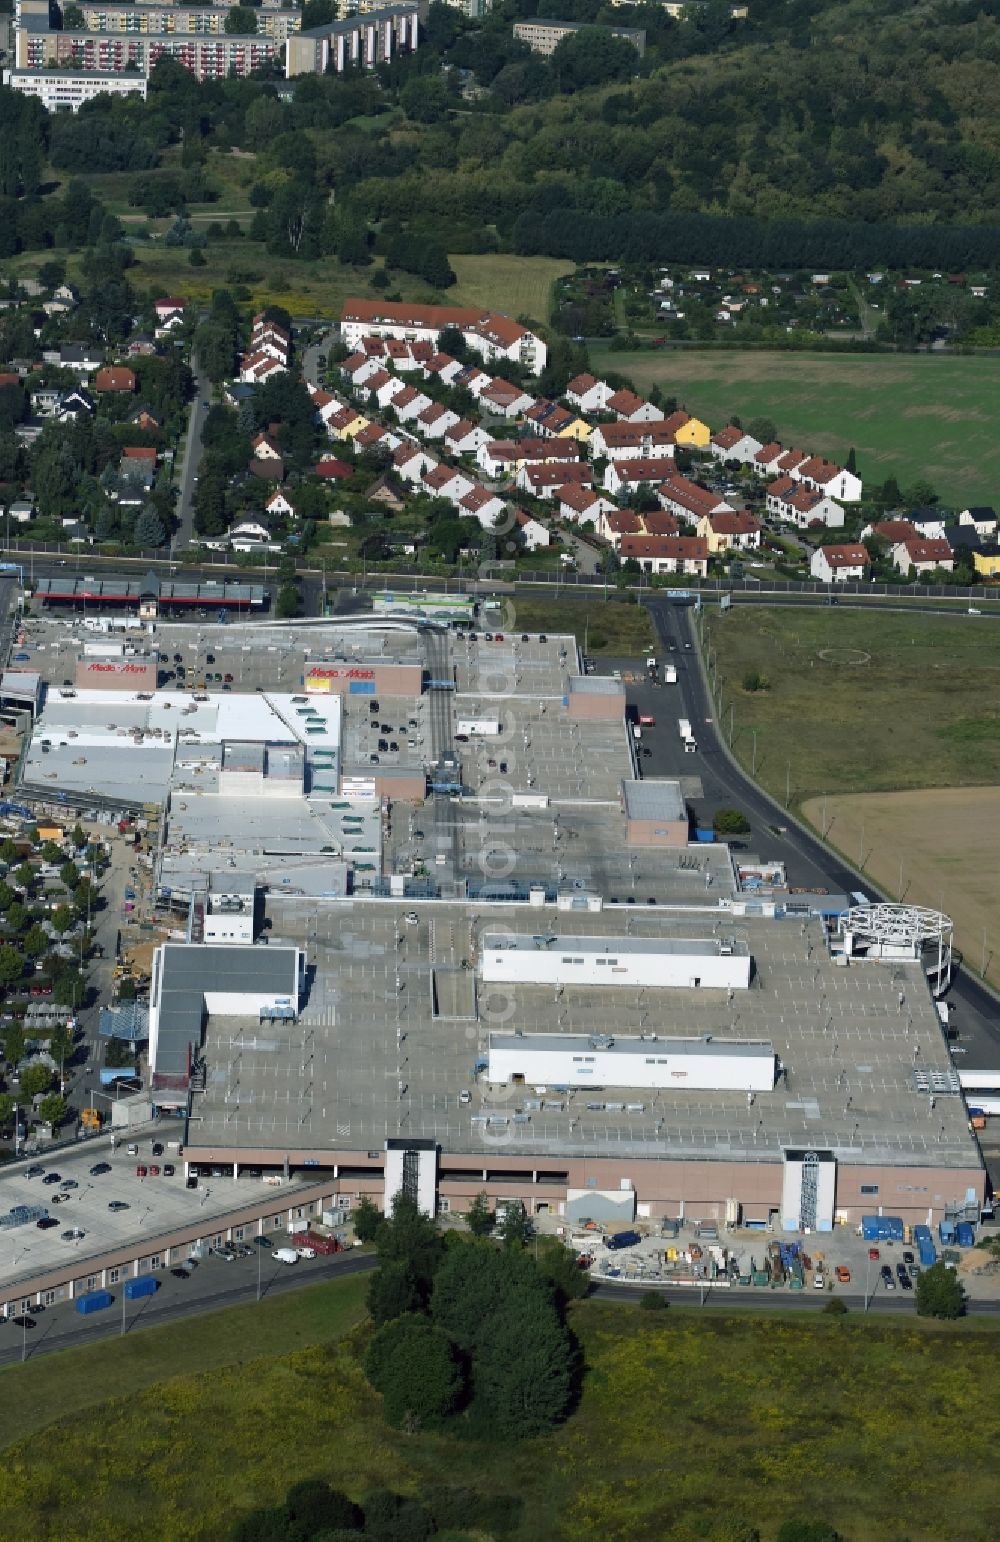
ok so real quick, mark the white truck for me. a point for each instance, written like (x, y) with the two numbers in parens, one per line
(687, 737)
(670, 674)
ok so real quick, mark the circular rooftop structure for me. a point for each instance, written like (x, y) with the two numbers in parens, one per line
(903, 932)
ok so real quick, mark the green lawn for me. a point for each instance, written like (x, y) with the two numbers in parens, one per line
(609, 626)
(860, 702)
(914, 416)
(77, 1380)
(688, 1422)
(518, 286)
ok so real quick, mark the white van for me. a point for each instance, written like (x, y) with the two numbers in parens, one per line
(286, 1255)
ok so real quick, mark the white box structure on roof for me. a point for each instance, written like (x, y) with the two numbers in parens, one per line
(602, 1060)
(711, 963)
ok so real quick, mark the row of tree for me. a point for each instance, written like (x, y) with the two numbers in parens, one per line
(771, 245)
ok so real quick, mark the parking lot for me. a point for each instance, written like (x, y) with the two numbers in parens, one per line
(108, 1209)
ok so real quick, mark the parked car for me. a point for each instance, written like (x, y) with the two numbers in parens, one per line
(843, 1274)
(118, 1204)
(34, 1171)
(99, 1168)
(51, 1178)
(47, 1222)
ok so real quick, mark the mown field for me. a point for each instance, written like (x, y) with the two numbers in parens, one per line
(689, 1423)
(858, 701)
(929, 848)
(912, 416)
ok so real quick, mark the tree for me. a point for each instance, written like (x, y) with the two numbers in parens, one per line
(940, 1293)
(289, 603)
(11, 965)
(366, 1219)
(479, 1217)
(13, 1044)
(34, 942)
(62, 918)
(558, 1265)
(73, 20)
(413, 1365)
(52, 1109)
(523, 1371)
(408, 1236)
(7, 1105)
(36, 1079)
(592, 57)
(8, 852)
(515, 1225)
(241, 21)
(314, 1508)
(149, 529)
(763, 429)
(851, 463)
(393, 1292)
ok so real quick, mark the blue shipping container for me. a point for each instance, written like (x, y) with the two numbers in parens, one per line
(895, 1227)
(869, 1228)
(921, 1234)
(93, 1301)
(146, 1286)
(928, 1254)
(965, 1235)
(705, 835)
(946, 1233)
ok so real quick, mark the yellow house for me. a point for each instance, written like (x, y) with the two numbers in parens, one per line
(578, 430)
(353, 428)
(729, 530)
(694, 434)
(987, 562)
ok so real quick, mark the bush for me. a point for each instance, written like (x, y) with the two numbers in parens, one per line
(652, 1301)
(835, 1307)
(730, 821)
(753, 680)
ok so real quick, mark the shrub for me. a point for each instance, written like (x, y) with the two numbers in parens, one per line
(835, 1307)
(753, 680)
(652, 1301)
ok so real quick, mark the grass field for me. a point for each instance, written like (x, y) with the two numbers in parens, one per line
(858, 701)
(606, 626)
(688, 1423)
(78, 1379)
(518, 286)
(911, 416)
(929, 848)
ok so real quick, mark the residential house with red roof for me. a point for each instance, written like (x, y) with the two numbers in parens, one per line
(687, 554)
(916, 556)
(730, 530)
(840, 564)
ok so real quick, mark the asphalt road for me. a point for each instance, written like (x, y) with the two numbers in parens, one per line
(191, 460)
(213, 1284)
(808, 862)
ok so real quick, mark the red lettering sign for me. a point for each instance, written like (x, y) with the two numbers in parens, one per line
(117, 669)
(320, 673)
